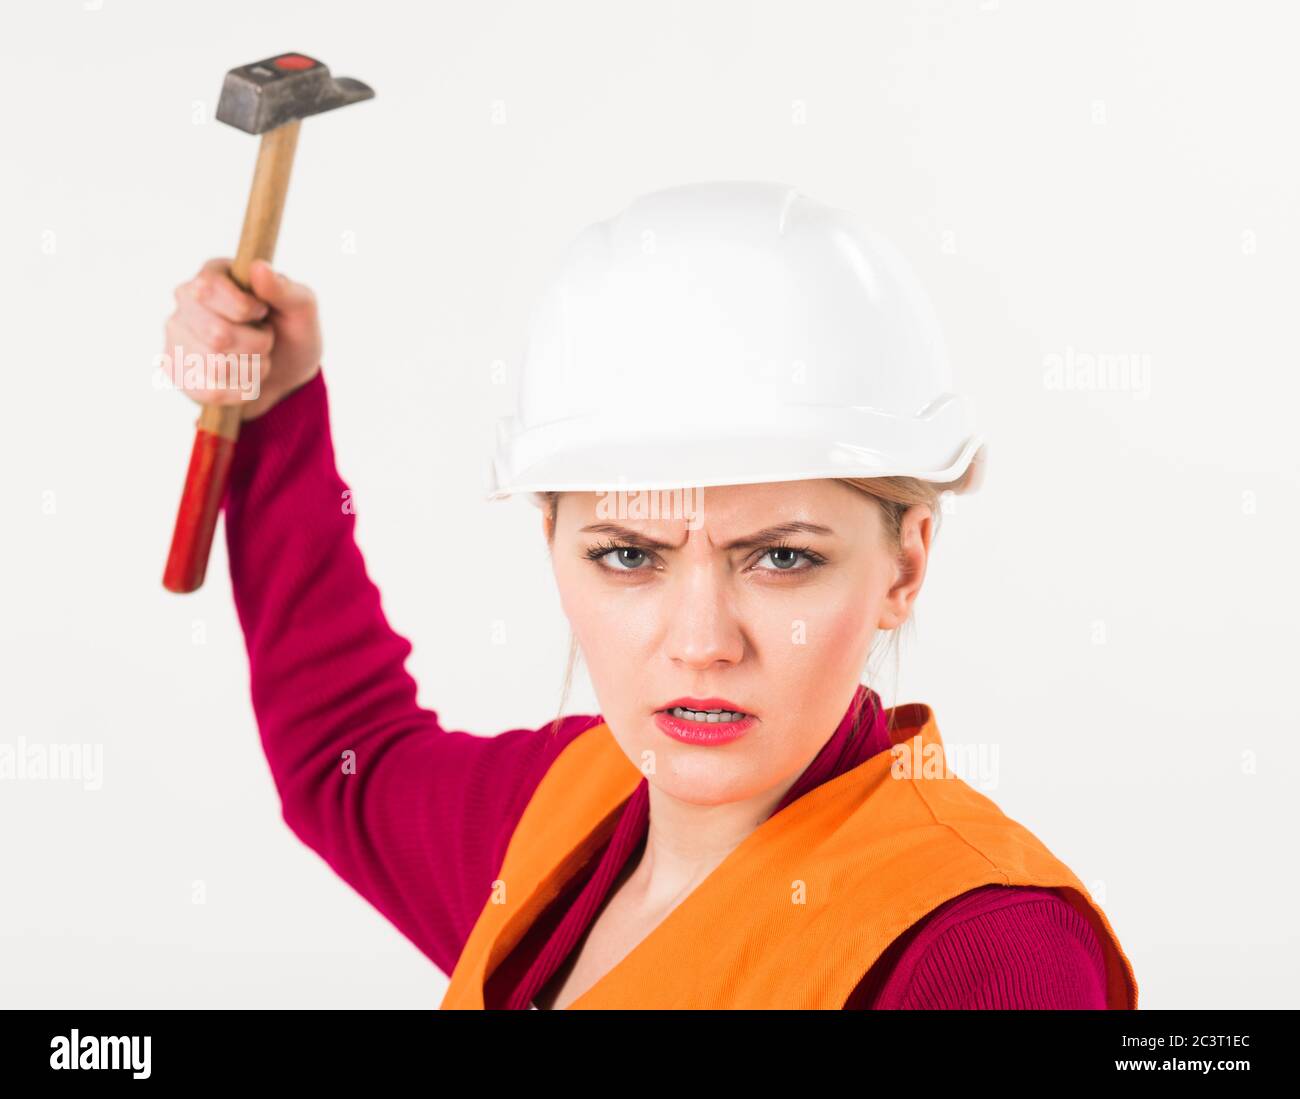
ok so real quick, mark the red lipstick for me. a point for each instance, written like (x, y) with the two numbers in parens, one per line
(711, 732)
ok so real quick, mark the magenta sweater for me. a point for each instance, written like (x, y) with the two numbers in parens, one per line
(416, 817)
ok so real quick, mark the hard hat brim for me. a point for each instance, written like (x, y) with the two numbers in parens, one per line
(727, 456)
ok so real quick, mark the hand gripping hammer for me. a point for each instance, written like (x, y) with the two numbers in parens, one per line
(270, 98)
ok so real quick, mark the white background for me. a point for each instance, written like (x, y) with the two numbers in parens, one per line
(1115, 610)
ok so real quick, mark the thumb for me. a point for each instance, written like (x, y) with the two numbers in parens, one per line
(278, 291)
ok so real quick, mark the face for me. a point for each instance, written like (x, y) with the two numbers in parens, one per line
(717, 604)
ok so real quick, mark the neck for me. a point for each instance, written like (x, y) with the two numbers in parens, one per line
(685, 842)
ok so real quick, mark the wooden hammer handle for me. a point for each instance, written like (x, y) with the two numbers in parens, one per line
(217, 428)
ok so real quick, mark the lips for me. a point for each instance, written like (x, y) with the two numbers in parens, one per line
(703, 704)
(703, 734)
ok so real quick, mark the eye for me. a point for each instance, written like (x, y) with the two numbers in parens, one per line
(626, 558)
(616, 557)
(785, 559)
(629, 558)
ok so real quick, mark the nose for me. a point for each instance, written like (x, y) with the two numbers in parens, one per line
(703, 629)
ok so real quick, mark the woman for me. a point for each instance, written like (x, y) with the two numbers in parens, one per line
(735, 417)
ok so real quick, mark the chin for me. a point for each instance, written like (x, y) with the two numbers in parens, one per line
(705, 776)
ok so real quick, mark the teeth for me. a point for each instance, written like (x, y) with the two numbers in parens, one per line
(711, 716)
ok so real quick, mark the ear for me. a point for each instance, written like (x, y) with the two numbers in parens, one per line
(913, 556)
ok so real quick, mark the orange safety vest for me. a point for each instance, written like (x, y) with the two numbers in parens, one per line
(796, 914)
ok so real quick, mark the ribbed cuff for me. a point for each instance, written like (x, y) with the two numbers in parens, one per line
(295, 419)
(293, 405)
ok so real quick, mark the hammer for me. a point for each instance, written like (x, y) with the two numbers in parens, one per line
(270, 98)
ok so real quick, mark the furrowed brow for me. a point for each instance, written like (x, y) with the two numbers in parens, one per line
(759, 538)
(628, 535)
(776, 533)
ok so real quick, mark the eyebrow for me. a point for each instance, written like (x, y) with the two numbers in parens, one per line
(759, 538)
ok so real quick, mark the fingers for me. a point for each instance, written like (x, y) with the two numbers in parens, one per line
(216, 332)
(230, 385)
(214, 288)
(281, 292)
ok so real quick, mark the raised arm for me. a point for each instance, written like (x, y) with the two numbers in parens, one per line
(412, 815)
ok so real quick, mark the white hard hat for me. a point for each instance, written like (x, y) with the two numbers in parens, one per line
(731, 332)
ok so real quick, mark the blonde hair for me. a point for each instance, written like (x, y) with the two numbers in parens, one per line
(894, 496)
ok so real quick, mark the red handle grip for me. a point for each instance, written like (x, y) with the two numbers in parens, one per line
(196, 519)
(218, 427)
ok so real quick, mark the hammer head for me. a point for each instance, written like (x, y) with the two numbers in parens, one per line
(266, 94)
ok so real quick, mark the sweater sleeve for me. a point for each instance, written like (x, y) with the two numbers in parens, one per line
(995, 947)
(415, 817)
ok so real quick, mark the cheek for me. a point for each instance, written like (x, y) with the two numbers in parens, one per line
(814, 643)
(848, 629)
(616, 636)
(609, 628)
